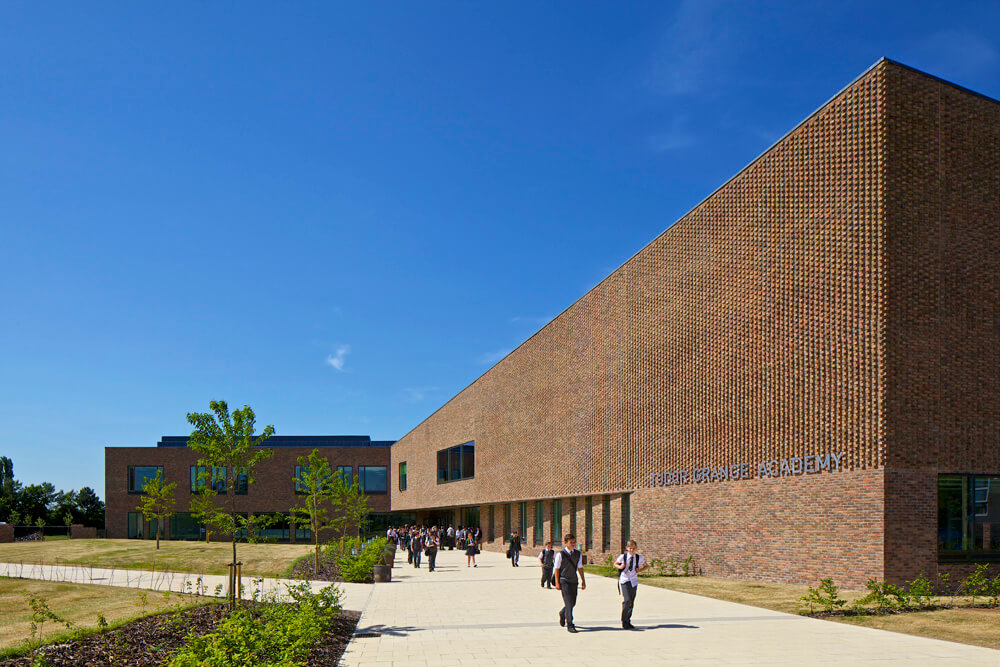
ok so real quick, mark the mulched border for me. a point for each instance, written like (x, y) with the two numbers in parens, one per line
(149, 641)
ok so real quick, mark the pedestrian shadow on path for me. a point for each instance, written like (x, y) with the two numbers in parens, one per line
(638, 628)
(373, 631)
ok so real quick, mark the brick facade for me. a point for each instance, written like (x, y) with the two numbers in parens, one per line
(838, 295)
(273, 491)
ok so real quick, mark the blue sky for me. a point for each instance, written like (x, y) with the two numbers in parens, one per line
(342, 214)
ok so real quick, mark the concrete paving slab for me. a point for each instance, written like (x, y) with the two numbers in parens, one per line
(496, 614)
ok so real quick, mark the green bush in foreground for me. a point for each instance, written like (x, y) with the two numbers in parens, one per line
(355, 559)
(269, 634)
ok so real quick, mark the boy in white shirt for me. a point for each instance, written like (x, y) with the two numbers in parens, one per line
(630, 564)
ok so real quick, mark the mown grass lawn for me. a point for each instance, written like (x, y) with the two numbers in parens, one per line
(979, 627)
(269, 560)
(78, 603)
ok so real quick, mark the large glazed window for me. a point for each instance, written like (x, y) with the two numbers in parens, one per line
(184, 526)
(139, 475)
(347, 472)
(968, 517)
(373, 479)
(200, 477)
(539, 528)
(557, 527)
(456, 463)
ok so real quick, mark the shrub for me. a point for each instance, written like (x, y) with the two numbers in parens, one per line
(884, 597)
(826, 597)
(921, 591)
(269, 634)
(977, 584)
(355, 559)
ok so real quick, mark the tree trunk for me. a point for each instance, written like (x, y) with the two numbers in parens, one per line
(157, 533)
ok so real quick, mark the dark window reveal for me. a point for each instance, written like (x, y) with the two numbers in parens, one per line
(139, 475)
(373, 479)
(456, 463)
(968, 517)
(402, 476)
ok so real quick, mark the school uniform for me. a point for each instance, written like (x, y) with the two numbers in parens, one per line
(432, 550)
(566, 564)
(417, 543)
(628, 580)
(547, 558)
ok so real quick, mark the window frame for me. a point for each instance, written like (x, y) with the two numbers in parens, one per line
(361, 482)
(131, 478)
(970, 514)
(462, 451)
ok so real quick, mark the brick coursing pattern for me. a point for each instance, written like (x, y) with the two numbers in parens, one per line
(274, 490)
(840, 294)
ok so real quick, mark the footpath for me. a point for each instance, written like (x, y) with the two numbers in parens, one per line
(354, 595)
(498, 615)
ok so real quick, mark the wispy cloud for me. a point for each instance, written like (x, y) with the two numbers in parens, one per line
(415, 394)
(695, 50)
(677, 136)
(491, 358)
(338, 359)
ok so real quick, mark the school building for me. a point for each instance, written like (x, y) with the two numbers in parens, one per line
(799, 379)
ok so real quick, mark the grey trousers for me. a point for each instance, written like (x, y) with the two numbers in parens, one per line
(628, 593)
(547, 576)
(569, 600)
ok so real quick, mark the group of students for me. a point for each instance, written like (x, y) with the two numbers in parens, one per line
(421, 541)
(564, 569)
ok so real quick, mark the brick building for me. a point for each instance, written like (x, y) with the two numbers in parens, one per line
(274, 491)
(800, 378)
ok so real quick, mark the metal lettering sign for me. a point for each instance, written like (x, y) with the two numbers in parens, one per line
(794, 465)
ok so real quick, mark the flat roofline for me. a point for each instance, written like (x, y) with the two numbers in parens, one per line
(324, 441)
(729, 180)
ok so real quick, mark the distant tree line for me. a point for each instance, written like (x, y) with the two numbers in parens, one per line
(41, 504)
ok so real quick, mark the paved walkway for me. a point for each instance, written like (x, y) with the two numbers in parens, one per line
(355, 596)
(498, 615)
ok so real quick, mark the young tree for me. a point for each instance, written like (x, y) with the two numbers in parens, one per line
(321, 488)
(204, 508)
(157, 501)
(227, 440)
(354, 504)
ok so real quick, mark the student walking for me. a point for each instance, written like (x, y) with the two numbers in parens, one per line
(470, 550)
(417, 543)
(451, 537)
(432, 548)
(515, 548)
(547, 558)
(569, 573)
(630, 564)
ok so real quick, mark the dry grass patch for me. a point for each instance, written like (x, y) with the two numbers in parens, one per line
(270, 560)
(77, 603)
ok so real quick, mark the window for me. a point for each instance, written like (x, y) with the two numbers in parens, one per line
(139, 529)
(347, 472)
(507, 528)
(539, 528)
(456, 463)
(557, 532)
(300, 488)
(139, 475)
(606, 523)
(572, 518)
(402, 476)
(183, 526)
(373, 479)
(242, 481)
(589, 539)
(626, 520)
(523, 519)
(276, 528)
(968, 517)
(491, 534)
(200, 477)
